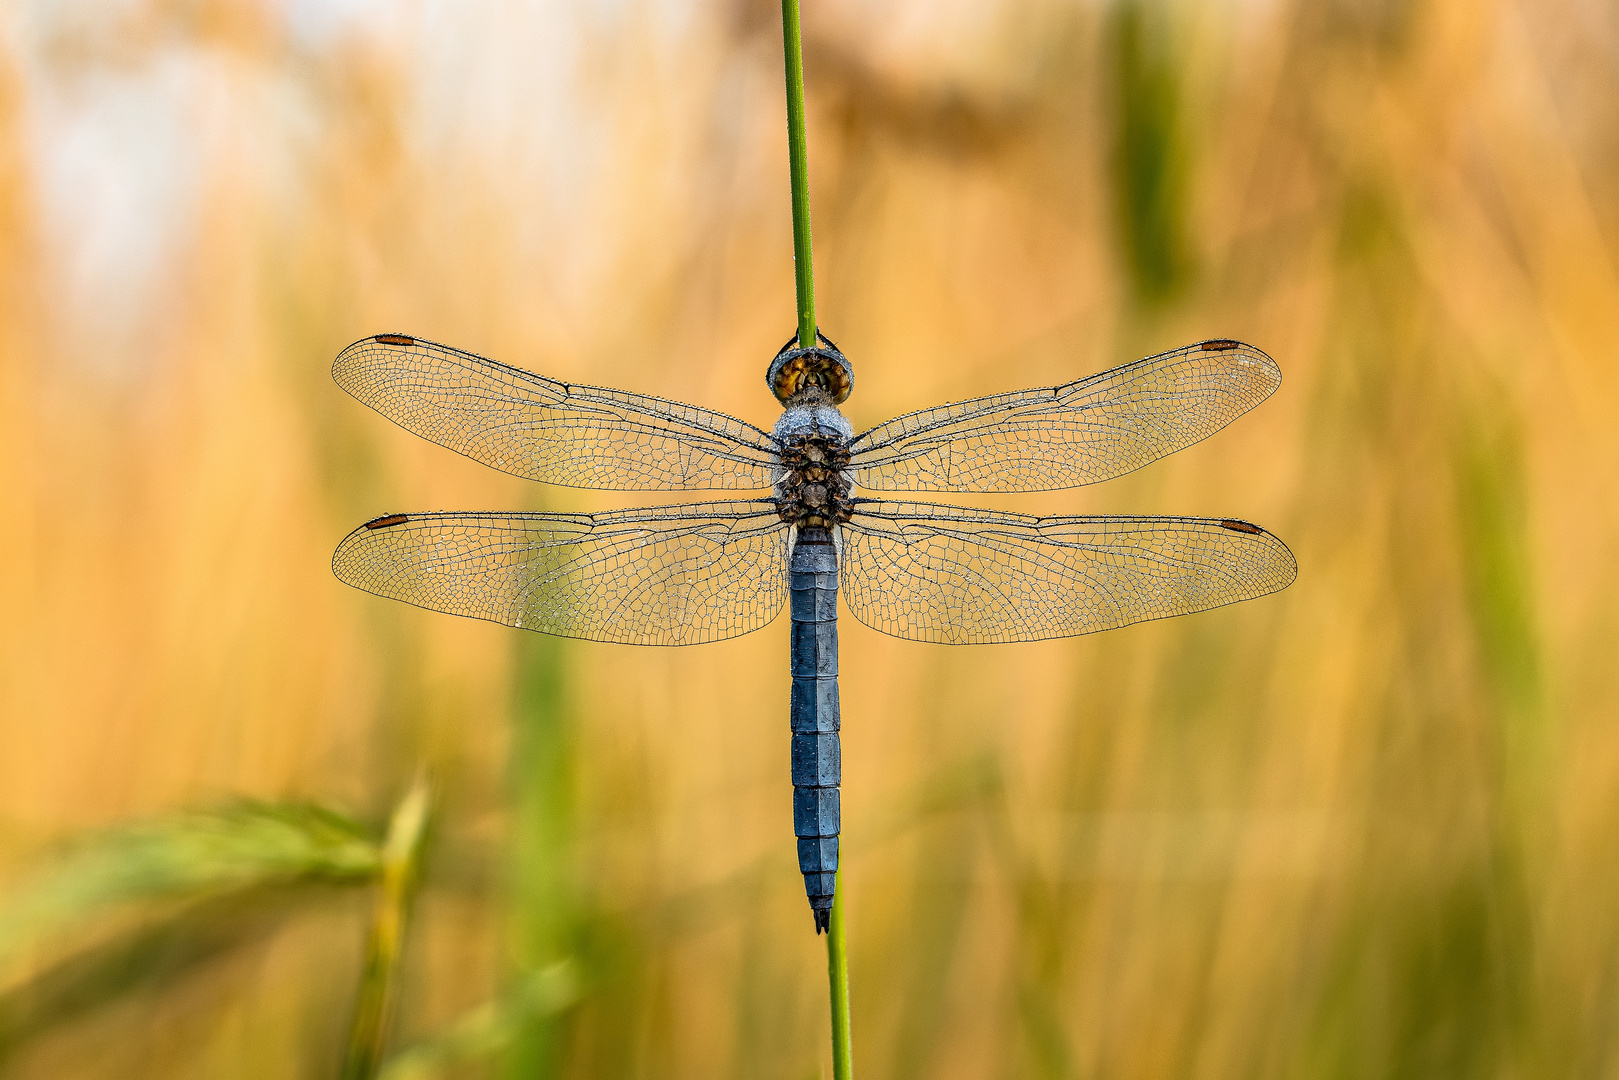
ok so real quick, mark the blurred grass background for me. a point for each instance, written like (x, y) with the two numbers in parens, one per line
(1365, 828)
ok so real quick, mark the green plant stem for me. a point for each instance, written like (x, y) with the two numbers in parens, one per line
(400, 853)
(837, 960)
(798, 158)
(837, 970)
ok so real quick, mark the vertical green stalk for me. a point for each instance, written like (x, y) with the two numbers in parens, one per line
(798, 158)
(546, 902)
(400, 853)
(837, 960)
(837, 970)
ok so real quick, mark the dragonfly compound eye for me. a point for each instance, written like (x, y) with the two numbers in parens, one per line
(823, 366)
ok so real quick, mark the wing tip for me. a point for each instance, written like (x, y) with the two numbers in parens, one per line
(1248, 528)
(340, 567)
(344, 365)
(1243, 348)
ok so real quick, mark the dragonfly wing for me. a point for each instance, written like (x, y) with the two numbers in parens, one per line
(541, 429)
(1067, 436)
(957, 576)
(668, 575)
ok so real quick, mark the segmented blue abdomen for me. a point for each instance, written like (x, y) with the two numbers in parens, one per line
(817, 758)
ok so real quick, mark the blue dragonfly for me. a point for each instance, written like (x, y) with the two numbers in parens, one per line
(800, 528)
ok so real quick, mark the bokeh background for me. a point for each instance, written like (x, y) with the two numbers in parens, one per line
(1363, 828)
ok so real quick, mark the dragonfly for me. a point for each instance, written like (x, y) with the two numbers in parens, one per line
(812, 512)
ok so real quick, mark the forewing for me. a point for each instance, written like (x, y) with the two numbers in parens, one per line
(531, 426)
(958, 577)
(671, 575)
(1067, 436)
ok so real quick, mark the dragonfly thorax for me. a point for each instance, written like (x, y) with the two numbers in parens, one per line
(816, 486)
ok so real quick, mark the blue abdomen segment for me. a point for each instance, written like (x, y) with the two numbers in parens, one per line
(812, 582)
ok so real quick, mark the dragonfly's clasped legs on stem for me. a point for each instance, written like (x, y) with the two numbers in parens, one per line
(823, 366)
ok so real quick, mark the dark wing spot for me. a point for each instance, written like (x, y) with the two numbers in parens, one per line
(388, 521)
(1220, 345)
(1235, 526)
(395, 339)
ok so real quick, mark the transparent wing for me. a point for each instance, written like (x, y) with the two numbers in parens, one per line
(959, 577)
(668, 575)
(542, 429)
(1067, 436)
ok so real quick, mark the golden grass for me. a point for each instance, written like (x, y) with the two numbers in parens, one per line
(1363, 828)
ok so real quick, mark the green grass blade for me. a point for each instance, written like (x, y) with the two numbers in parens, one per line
(545, 895)
(804, 274)
(798, 160)
(401, 854)
(837, 970)
(492, 1028)
(184, 857)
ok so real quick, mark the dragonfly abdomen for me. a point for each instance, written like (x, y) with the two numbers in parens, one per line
(817, 756)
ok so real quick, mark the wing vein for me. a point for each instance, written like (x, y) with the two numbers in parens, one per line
(1093, 429)
(672, 575)
(530, 426)
(961, 576)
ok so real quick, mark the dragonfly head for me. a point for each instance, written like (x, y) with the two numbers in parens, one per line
(824, 367)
